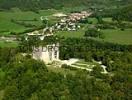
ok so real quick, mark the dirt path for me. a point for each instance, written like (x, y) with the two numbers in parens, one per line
(71, 63)
(11, 39)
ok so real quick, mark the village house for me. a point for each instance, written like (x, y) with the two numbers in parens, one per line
(68, 22)
(50, 53)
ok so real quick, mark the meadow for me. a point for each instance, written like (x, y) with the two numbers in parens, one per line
(28, 17)
(8, 44)
(118, 36)
(110, 35)
(71, 34)
(62, 71)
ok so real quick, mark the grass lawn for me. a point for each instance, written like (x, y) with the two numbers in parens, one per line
(5, 21)
(71, 34)
(84, 66)
(108, 19)
(83, 63)
(73, 9)
(93, 20)
(118, 36)
(8, 44)
(61, 70)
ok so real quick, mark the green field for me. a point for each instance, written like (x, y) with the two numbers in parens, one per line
(8, 44)
(118, 36)
(6, 26)
(71, 34)
(61, 70)
(84, 64)
(95, 21)
(110, 35)
(73, 9)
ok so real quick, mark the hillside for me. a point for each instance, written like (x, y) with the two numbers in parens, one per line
(47, 4)
(65, 49)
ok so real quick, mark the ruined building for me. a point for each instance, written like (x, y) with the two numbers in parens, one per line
(48, 54)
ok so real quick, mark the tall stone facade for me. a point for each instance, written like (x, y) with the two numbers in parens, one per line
(48, 53)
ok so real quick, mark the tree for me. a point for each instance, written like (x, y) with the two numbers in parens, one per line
(45, 22)
(92, 33)
(11, 93)
(99, 19)
(97, 71)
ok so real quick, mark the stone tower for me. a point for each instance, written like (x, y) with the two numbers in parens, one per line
(48, 53)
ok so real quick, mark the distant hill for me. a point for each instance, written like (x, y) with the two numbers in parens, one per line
(124, 13)
(57, 4)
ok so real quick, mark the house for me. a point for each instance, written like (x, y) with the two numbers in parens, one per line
(68, 23)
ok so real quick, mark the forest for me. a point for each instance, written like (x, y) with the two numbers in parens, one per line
(57, 4)
(24, 78)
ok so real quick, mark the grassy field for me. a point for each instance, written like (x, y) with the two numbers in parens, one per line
(84, 64)
(73, 9)
(61, 70)
(118, 36)
(6, 26)
(110, 35)
(71, 34)
(8, 44)
(108, 19)
(95, 21)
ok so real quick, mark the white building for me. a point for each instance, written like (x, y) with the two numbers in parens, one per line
(48, 54)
